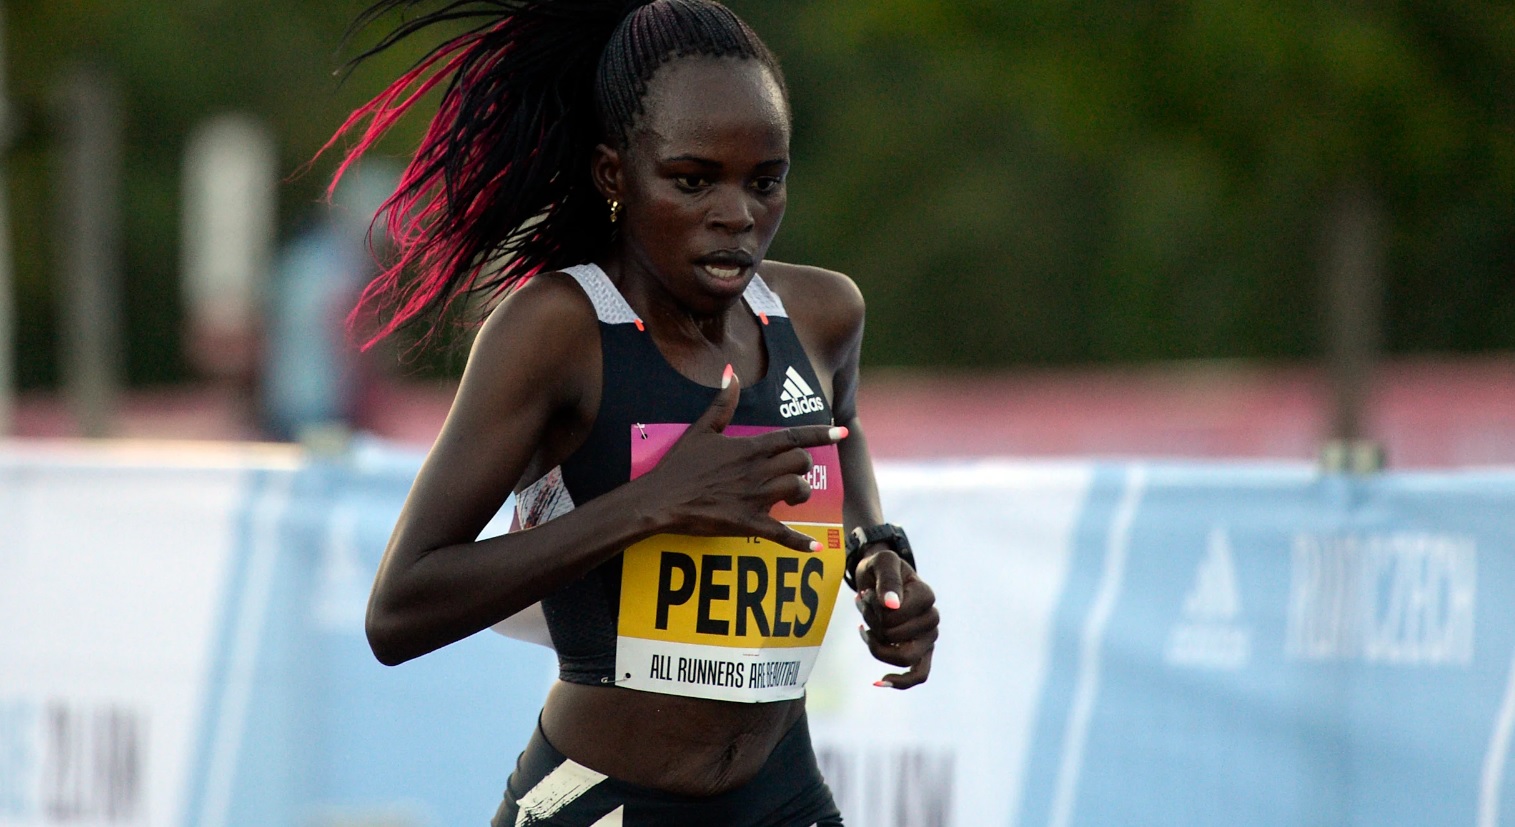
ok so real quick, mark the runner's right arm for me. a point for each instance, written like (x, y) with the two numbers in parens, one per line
(535, 366)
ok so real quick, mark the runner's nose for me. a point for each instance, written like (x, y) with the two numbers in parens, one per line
(732, 211)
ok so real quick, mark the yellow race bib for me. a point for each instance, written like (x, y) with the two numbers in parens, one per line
(729, 618)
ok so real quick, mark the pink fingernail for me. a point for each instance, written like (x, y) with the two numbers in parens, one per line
(815, 545)
(838, 433)
(862, 633)
(726, 377)
(891, 600)
(883, 684)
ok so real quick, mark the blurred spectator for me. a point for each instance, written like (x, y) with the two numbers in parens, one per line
(314, 375)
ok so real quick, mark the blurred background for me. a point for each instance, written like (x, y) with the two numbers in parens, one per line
(1191, 229)
(1194, 229)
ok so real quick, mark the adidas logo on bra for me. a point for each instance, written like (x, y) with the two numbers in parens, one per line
(798, 398)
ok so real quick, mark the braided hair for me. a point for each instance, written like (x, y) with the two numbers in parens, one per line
(499, 188)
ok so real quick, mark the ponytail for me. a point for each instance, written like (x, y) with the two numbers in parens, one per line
(499, 188)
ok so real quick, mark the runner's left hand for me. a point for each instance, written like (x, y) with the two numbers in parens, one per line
(900, 610)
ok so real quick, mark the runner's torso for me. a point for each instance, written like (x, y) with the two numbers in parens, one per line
(652, 642)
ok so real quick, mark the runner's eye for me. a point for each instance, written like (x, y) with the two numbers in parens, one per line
(767, 185)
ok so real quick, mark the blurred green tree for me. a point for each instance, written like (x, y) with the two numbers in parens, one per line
(176, 62)
(1123, 180)
(1031, 182)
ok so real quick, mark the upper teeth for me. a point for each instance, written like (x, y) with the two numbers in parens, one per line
(722, 272)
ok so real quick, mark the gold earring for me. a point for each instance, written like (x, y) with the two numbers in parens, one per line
(615, 211)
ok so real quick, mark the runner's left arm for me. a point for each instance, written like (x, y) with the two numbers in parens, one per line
(898, 607)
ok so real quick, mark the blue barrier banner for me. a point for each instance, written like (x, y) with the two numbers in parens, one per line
(1243, 646)
(137, 588)
(1122, 643)
(427, 743)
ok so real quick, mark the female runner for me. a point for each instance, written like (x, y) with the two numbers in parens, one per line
(675, 414)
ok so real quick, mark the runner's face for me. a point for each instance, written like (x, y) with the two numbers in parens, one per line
(703, 177)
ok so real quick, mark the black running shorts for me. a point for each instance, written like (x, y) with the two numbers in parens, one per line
(549, 790)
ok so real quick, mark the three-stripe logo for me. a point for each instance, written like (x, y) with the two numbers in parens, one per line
(798, 397)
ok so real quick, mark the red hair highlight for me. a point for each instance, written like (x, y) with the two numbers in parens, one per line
(499, 188)
(419, 201)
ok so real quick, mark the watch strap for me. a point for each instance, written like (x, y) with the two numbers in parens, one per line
(861, 537)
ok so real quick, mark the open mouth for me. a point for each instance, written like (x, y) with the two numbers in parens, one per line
(724, 272)
(726, 264)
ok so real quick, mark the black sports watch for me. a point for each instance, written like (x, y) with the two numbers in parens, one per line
(860, 538)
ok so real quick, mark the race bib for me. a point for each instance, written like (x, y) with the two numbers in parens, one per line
(729, 618)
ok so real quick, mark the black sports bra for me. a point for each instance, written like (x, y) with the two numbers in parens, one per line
(728, 618)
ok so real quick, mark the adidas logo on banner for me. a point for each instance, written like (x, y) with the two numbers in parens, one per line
(1207, 634)
(798, 398)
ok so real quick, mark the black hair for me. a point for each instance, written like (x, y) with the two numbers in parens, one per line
(500, 187)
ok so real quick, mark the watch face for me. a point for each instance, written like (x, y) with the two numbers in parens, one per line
(856, 539)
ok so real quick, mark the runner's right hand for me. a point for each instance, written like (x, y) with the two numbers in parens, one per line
(713, 485)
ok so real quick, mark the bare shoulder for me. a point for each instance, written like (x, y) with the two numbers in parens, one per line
(550, 314)
(539, 336)
(825, 306)
(826, 290)
(527, 374)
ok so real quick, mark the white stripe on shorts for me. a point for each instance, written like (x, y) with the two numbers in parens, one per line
(559, 789)
(612, 818)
